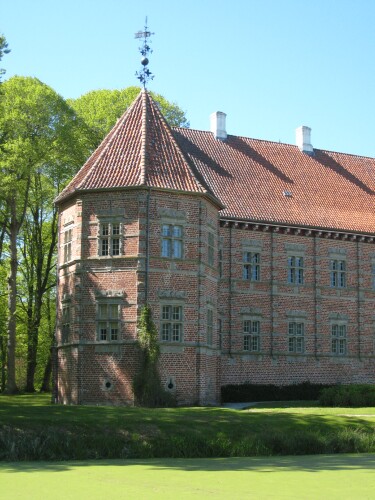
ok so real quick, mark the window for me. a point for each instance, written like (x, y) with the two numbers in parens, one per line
(211, 249)
(171, 241)
(220, 331)
(295, 270)
(65, 323)
(109, 239)
(171, 323)
(373, 275)
(108, 321)
(251, 330)
(296, 333)
(210, 326)
(338, 333)
(220, 262)
(251, 266)
(68, 235)
(338, 273)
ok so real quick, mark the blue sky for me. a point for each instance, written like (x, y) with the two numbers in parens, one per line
(271, 65)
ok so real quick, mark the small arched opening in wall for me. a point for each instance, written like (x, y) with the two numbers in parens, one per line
(170, 384)
(107, 385)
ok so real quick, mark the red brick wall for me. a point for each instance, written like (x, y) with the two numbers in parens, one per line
(275, 300)
(94, 372)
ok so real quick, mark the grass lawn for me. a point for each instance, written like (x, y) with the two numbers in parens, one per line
(304, 477)
(33, 429)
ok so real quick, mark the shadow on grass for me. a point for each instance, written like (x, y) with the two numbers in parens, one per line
(307, 463)
(36, 430)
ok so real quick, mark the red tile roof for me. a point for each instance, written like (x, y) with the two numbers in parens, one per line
(328, 190)
(250, 177)
(140, 150)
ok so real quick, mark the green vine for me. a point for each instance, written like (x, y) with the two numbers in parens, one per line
(147, 386)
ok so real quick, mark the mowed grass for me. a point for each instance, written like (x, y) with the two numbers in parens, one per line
(31, 428)
(305, 477)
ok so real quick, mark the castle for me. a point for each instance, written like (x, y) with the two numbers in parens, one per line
(257, 259)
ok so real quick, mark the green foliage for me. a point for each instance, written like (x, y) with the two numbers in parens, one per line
(148, 336)
(304, 391)
(100, 109)
(43, 144)
(3, 50)
(354, 395)
(147, 385)
(3, 322)
(33, 429)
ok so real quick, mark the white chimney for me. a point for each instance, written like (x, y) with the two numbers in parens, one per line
(218, 128)
(303, 139)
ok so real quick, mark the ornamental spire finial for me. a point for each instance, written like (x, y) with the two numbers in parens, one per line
(145, 75)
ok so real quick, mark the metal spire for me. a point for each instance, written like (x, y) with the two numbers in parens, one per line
(145, 75)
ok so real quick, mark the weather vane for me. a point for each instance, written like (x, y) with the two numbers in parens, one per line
(145, 75)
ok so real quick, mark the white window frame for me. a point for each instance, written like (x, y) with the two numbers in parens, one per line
(172, 236)
(67, 245)
(296, 336)
(296, 269)
(337, 269)
(220, 262)
(108, 321)
(171, 322)
(251, 335)
(251, 265)
(65, 322)
(210, 325)
(110, 238)
(339, 338)
(210, 249)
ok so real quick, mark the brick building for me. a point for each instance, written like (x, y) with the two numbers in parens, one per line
(257, 258)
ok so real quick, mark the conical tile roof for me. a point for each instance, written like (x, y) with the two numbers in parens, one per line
(140, 150)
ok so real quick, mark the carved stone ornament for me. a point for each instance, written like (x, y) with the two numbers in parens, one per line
(251, 310)
(171, 213)
(296, 314)
(109, 293)
(171, 294)
(295, 247)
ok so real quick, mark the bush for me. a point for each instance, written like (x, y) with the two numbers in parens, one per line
(304, 391)
(355, 395)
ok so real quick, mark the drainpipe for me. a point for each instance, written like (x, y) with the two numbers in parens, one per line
(147, 259)
(272, 270)
(230, 291)
(358, 303)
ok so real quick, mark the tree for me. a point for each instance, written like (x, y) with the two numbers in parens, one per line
(3, 324)
(3, 50)
(100, 109)
(41, 135)
(38, 249)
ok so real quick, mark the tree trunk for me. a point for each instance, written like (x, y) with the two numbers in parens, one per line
(32, 347)
(46, 384)
(11, 386)
(3, 358)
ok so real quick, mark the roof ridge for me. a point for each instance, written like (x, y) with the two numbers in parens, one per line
(282, 143)
(171, 137)
(140, 150)
(143, 138)
(108, 139)
(92, 161)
